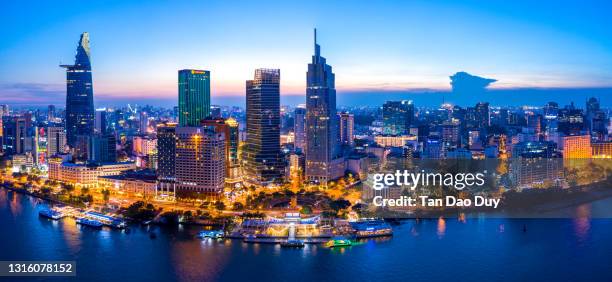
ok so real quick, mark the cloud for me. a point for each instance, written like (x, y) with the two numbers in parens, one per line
(32, 93)
(465, 83)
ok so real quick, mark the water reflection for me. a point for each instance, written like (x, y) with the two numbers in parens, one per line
(582, 222)
(441, 227)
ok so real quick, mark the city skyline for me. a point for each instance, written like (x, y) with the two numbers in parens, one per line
(518, 50)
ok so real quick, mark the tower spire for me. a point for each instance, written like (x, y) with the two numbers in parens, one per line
(317, 48)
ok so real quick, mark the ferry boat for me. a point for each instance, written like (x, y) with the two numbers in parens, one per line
(213, 234)
(50, 213)
(338, 242)
(371, 228)
(89, 222)
(292, 244)
(105, 219)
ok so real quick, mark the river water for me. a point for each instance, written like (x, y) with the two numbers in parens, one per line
(489, 249)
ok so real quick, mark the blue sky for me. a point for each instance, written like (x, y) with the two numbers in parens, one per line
(138, 46)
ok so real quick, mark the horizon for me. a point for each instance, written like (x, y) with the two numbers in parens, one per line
(366, 57)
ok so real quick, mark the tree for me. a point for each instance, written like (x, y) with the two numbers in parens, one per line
(306, 210)
(219, 205)
(105, 195)
(339, 204)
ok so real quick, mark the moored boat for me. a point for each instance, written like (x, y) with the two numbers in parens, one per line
(89, 222)
(371, 228)
(292, 244)
(214, 234)
(338, 242)
(50, 213)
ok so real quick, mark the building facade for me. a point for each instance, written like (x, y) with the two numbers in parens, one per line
(323, 153)
(79, 94)
(263, 163)
(194, 96)
(200, 162)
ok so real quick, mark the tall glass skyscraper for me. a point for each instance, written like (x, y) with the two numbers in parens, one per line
(263, 162)
(194, 96)
(79, 94)
(323, 154)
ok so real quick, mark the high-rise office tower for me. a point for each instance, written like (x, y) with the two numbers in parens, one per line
(144, 122)
(51, 113)
(56, 140)
(166, 150)
(79, 94)
(17, 134)
(166, 159)
(194, 96)
(101, 121)
(323, 154)
(398, 116)
(347, 124)
(101, 148)
(200, 162)
(482, 115)
(299, 127)
(262, 154)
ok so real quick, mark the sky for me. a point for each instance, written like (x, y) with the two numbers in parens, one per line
(373, 46)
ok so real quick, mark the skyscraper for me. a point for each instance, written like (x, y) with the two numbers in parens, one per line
(79, 94)
(101, 121)
(397, 117)
(101, 148)
(56, 140)
(194, 96)
(299, 127)
(166, 151)
(200, 162)
(18, 134)
(51, 113)
(143, 122)
(347, 123)
(262, 155)
(323, 154)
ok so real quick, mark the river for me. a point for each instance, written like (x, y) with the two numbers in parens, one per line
(489, 249)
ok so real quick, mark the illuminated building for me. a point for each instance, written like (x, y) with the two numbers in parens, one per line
(102, 149)
(200, 162)
(56, 140)
(17, 134)
(450, 133)
(144, 145)
(577, 147)
(397, 117)
(194, 96)
(299, 127)
(84, 175)
(602, 149)
(393, 141)
(101, 121)
(143, 123)
(140, 182)
(324, 161)
(263, 160)
(79, 94)
(535, 163)
(229, 129)
(347, 125)
(166, 159)
(51, 113)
